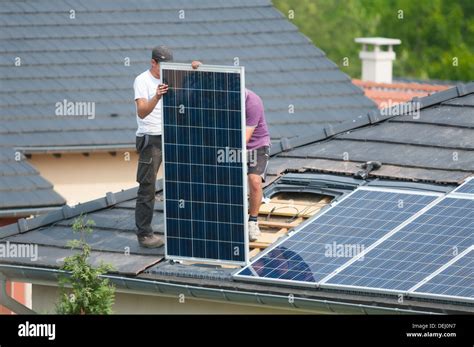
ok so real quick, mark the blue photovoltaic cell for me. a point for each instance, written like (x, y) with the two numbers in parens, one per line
(415, 251)
(334, 237)
(456, 280)
(466, 188)
(204, 177)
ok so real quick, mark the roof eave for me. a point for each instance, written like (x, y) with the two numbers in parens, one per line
(47, 276)
(28, 211)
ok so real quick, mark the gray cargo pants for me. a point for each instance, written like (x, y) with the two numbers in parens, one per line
(149, 149)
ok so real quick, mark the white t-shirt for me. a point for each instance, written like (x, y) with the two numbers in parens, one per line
(145, 88)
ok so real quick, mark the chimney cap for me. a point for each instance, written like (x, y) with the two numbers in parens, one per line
(377, 41)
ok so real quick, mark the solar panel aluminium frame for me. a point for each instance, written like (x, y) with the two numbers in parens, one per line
(413, 293)
(224, 69)
(455, 191)
(312, 220)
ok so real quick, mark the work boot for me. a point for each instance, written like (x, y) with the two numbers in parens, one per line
(254, 231)
(150, 241)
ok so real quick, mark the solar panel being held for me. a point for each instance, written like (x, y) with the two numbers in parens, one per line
(204, 163)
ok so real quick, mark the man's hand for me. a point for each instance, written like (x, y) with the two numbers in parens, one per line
(195, 64)
(160, 90)
(145, 107)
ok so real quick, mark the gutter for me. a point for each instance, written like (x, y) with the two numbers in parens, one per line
(25, 212)
(10, 303)
(153, 287)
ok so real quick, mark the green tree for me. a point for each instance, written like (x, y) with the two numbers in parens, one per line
(89, 293)
(437, 35)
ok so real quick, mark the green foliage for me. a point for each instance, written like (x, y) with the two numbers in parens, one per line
(89, 293)
(436, 34)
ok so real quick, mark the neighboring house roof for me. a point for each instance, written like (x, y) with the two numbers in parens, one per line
(436, 145)
(84, 59)
(22, 190)
(387, 94)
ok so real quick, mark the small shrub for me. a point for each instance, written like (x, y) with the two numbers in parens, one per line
(89, 293)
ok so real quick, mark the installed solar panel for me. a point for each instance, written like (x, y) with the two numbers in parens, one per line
(455, 280)
(204, 163)
(415, 251)
(466, 188)
(328, 241)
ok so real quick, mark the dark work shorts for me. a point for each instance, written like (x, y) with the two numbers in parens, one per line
(257, 161)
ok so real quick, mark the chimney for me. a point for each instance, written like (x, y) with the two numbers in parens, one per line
(377, 63)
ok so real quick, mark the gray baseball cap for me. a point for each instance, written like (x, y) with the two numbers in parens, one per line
(161, 53)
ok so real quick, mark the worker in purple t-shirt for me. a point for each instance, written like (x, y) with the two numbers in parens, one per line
(258, 147)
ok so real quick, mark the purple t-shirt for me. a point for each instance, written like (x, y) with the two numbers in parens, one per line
(255, 118)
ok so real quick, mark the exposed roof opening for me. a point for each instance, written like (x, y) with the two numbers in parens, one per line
(286, 205)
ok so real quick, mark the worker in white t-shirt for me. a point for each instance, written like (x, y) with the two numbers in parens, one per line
(148, 92)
